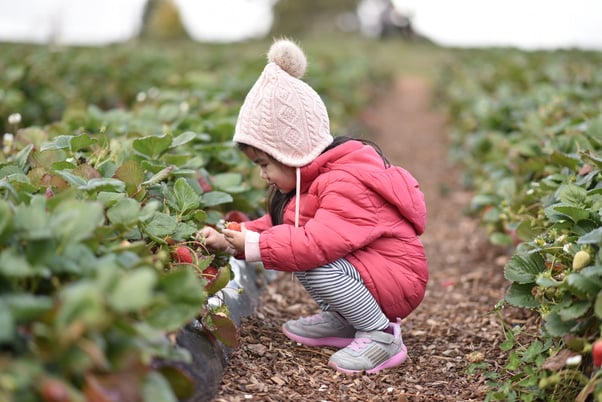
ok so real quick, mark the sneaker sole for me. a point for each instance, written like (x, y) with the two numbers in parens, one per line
(327, 341)
(394, 361)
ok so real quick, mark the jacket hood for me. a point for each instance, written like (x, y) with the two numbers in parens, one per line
(394, 184)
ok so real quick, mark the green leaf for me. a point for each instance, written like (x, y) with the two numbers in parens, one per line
(533, 352)
(186, 197)
(582, 286)
(593, 237)
(598, 305)
(131, 174)
(220, 281)
(525, 231)
(157, 389)
(6, 186)
(82, 141)
(23, 155)
(168, 113)
(126, 212)
(592, 271)
(6, 216)
(519, 295)
(571, 194)
(7, 323)
(556, 326)
(229, 182)
(183, 286)
(594, 159)
(172, 316)
(74, 180)
(575, 310)
(9, 170)
(134, 291)
(562, 211)
(161, 225)
(32, 219)
(184, 231)
(25, 307)
(81, 301)
(546, 281)
(180, 381)
(500, 239)
(15, 265)
(213, 198)
(109, 198)
(152, 146)
(103, 184)
(59, 142)
(185, 297)
(183, 138)
(75, 220)
(561, 159)
(524, 268)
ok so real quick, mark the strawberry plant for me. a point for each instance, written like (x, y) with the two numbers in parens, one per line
(527, 129)
(102, 191)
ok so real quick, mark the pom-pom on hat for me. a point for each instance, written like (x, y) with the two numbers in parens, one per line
(282, 115)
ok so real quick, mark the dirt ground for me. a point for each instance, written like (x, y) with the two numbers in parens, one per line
(454, 325)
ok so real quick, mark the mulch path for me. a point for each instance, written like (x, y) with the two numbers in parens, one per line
(455, 325)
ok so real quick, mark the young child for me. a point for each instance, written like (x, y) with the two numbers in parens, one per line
(340, 217)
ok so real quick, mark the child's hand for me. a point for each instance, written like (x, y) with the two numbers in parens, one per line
(212, 238)
(236, 239)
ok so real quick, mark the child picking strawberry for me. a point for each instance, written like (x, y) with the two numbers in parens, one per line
(340, 216)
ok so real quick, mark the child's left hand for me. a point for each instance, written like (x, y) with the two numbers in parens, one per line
(236, 239)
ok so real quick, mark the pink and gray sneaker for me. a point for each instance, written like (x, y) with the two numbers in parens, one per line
(323, 329)
(371, 351)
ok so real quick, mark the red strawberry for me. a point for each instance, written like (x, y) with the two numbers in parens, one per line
(183, 255)
(53, 390)
(210, 272)
(597, 353)
(233, 226)
(204, 183)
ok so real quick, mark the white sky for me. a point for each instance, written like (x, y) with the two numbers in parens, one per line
(526, 23)
(522, 23)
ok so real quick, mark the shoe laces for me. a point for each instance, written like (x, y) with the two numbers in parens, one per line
(313, 318)
(359, 343)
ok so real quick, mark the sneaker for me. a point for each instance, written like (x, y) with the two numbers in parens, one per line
(371, 352)
(323, 329)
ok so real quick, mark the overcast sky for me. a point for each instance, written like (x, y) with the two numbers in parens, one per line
(523, 23)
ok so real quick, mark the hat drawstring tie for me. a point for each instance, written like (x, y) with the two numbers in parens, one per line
(297, 195)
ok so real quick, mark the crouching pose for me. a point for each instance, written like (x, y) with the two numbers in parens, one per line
(339, 216)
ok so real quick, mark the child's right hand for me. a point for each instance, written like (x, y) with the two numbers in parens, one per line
(213, 239)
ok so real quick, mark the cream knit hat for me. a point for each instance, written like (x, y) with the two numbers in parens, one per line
(282, 115)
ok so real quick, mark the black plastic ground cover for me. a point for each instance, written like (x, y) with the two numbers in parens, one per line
(209, 356)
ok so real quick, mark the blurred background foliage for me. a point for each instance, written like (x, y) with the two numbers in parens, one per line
(297, 18)
(162, 20)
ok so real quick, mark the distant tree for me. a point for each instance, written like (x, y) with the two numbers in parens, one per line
(298, 17)
(161, 20)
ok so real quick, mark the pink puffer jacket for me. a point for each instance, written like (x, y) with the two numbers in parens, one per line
(351, 206)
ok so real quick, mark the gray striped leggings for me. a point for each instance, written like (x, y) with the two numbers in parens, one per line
(339, 287)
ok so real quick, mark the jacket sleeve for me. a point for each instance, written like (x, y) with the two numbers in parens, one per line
(345, 220)
(255, 226)
(259, 224)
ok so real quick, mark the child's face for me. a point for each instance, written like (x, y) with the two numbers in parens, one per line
(272, 171)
